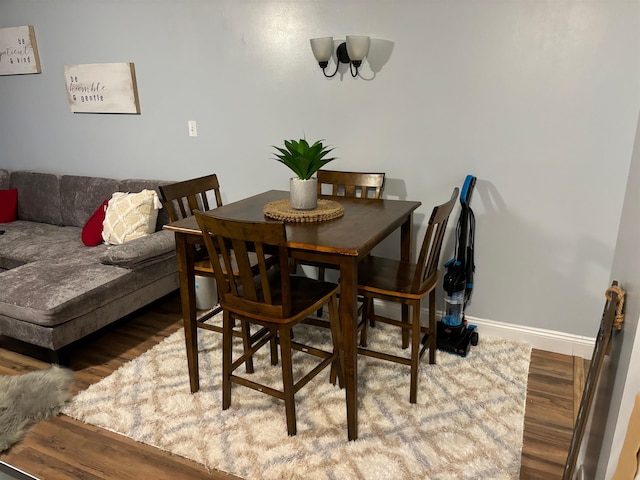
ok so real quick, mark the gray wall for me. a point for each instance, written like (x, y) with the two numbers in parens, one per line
(625, 356)
(539, 100)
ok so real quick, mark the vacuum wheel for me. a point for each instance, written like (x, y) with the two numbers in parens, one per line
(474, 338)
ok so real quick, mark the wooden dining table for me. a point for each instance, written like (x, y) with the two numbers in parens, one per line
(342, 242)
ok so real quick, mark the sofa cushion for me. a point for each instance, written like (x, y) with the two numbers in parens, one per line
(54, 291)
(92, 230)
(150, 248)
(80, 196)
(130, 216)
(8, 205)
(25, 242)
(4, 179)
(38, 196)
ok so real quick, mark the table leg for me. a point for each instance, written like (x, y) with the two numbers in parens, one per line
(349, 323)
(184, 253)
(406, 238)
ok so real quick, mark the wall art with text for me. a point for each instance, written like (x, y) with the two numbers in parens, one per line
(18, 51)
(102, 88)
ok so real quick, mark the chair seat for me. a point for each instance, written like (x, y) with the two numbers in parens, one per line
(391, 277)
(306, 294)
(203, 266)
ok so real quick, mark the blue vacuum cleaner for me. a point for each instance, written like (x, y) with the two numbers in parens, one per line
(454, 334)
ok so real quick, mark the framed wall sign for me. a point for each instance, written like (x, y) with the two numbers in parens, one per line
(18, 51)
(102, 88)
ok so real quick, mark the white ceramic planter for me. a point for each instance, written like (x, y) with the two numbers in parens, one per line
(303, 193)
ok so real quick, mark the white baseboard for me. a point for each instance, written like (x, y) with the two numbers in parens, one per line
(538, 338)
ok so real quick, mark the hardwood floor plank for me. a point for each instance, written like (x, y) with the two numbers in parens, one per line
(578, 384)
(64, 448)
(548, 424)
(71, 438)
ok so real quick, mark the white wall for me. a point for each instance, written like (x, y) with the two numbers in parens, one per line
(539, 100)
(626, 269)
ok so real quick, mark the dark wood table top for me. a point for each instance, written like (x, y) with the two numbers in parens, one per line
(364, 223)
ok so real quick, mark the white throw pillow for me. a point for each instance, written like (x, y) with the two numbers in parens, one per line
(130, 216)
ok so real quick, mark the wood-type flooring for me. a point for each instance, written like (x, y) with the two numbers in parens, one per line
(63, 448)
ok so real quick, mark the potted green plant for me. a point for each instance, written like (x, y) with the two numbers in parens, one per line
(304, 160)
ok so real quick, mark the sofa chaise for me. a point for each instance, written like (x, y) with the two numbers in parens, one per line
(54, 289)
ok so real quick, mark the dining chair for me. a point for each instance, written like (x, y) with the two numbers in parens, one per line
(181, 199)
(406, 283)
(351, 184)
(348, 184)
(273, 298)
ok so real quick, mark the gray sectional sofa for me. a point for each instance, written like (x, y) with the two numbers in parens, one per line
(55, 290)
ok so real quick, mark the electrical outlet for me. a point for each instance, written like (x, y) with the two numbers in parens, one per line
(193, 131)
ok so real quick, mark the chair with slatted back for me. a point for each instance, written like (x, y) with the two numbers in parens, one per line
(348, 184)
(273, 299)
(351, 184)
(407, 283)
(181, 199)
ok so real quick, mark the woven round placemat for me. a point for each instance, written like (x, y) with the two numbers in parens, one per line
(281, 210)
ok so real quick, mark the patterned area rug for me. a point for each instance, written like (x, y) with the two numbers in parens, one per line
(468, 421)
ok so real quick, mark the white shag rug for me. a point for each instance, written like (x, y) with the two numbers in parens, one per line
(467, 424)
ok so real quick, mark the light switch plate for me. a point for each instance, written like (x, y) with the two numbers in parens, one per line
(193, 131)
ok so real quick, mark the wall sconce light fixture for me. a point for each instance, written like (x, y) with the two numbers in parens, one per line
(352, 51)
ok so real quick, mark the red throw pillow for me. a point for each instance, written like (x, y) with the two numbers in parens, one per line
(92, 230)
(8, 205)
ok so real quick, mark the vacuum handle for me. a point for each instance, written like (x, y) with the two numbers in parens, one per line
(467, 190)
